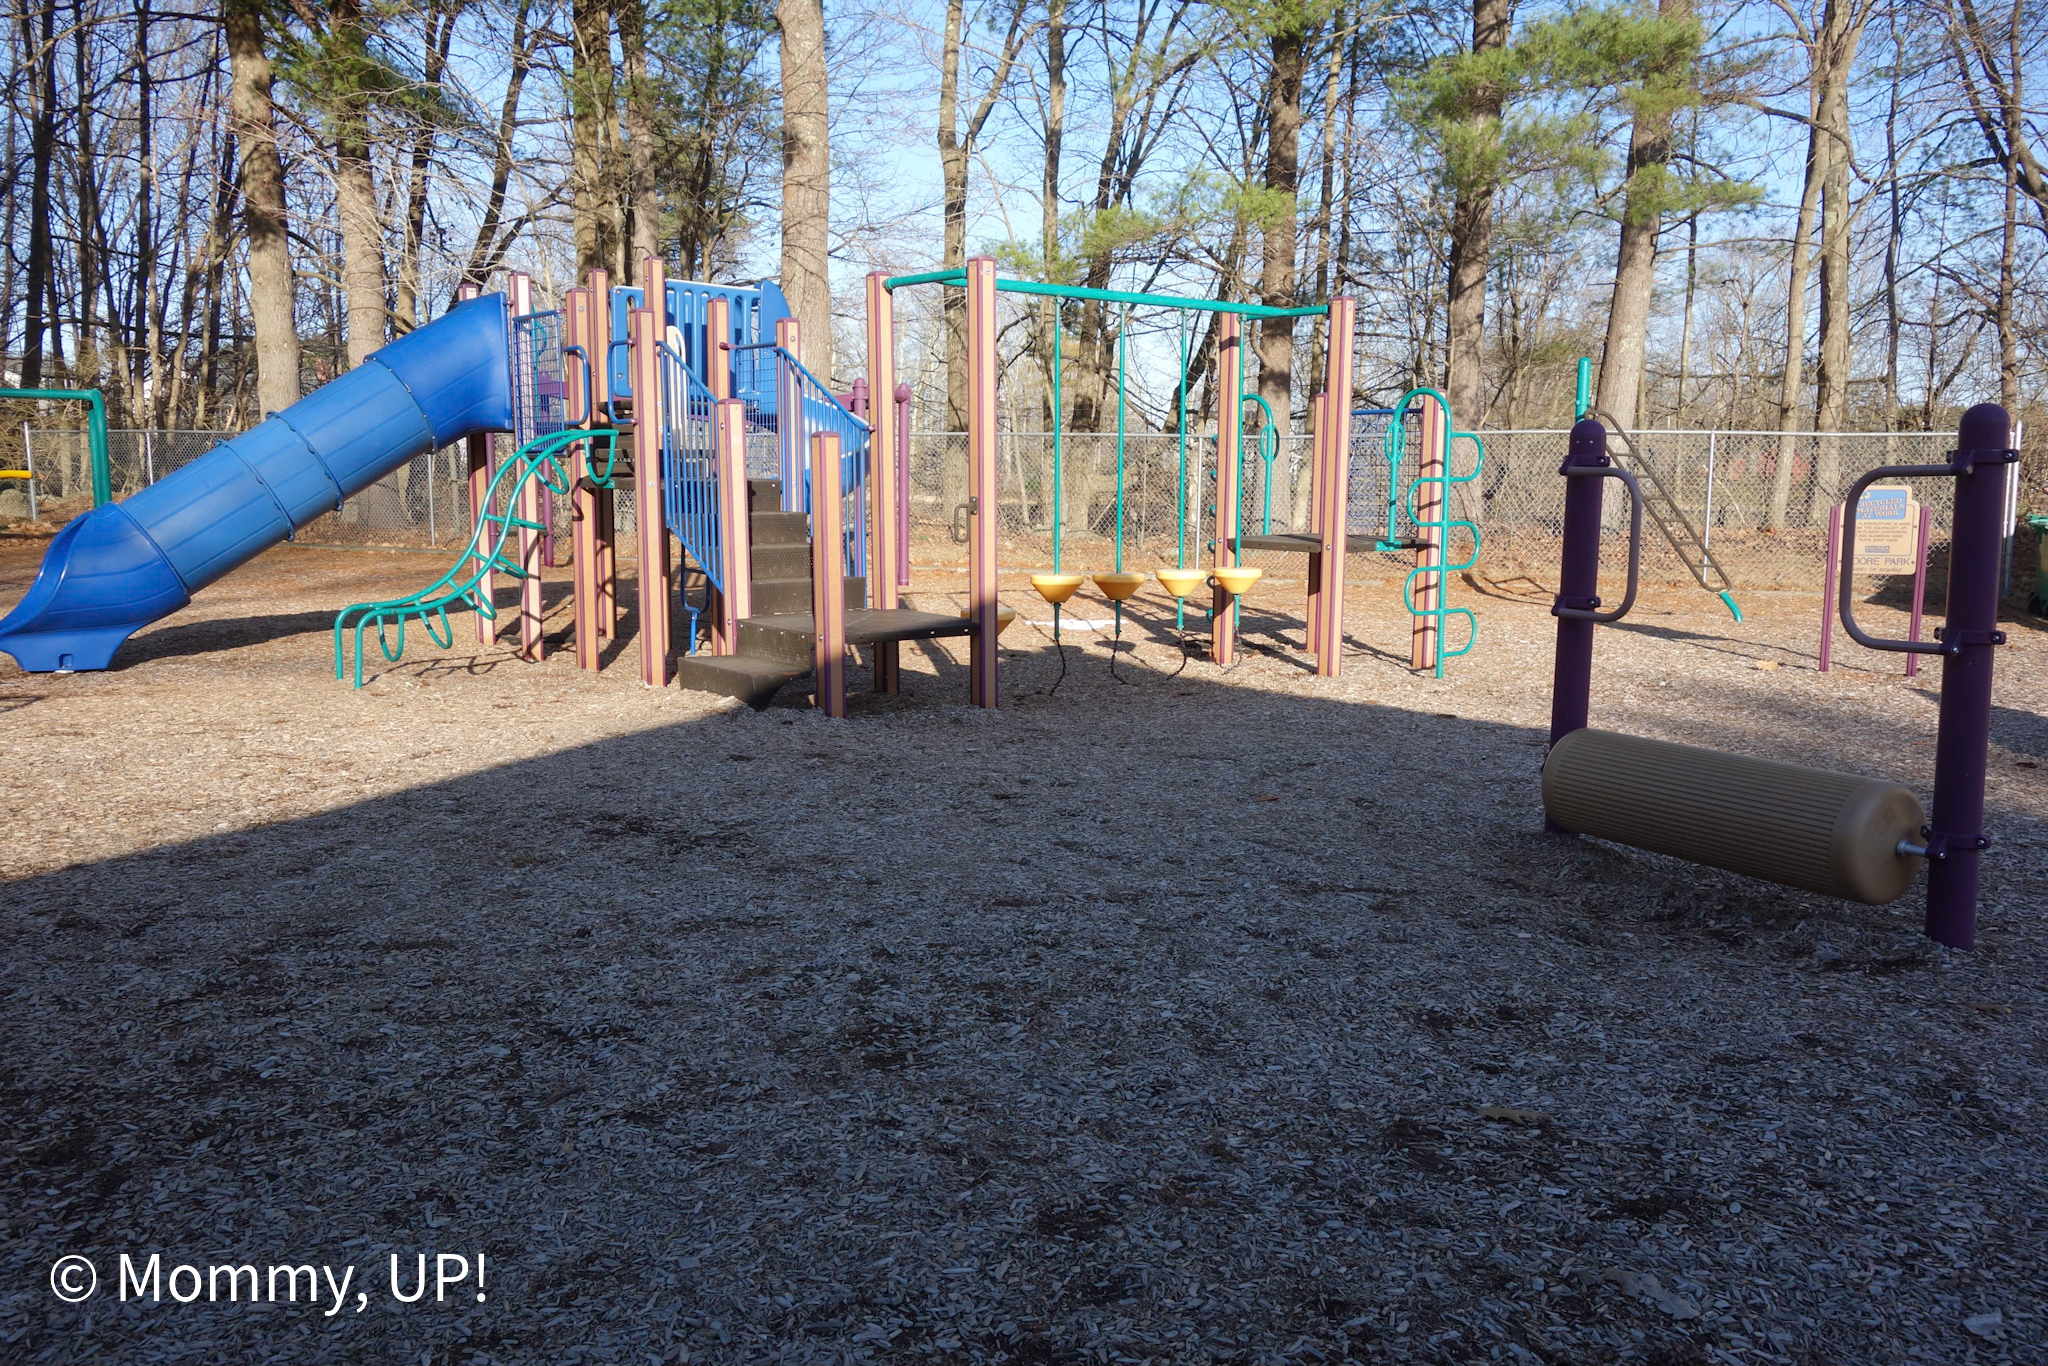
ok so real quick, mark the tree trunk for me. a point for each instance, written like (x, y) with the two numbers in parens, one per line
(643, 205)
(1289, 48)
(1831, 377)
(1049, 203)
(2008, 342)
(1795, 293)
(806, 179)
(485, 251)
(1320, 233)
(41, 51)
(1642, 219)
(593, 105)
(953, 177)
(1471, 243)
(272, 290)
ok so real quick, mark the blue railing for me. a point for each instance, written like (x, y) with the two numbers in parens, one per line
(689, 469)
(803, 409)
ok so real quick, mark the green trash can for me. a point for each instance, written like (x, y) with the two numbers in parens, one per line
(2037, 602)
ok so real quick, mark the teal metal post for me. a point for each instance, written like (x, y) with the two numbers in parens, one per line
(96, 433)
(1584, 399)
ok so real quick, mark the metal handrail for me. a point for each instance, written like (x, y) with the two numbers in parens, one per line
(1635, 543)
(1848, 561)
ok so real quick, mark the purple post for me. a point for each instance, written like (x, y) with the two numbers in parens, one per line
(1976, 539)
(858, 399)
(903, 392)
(1919, 586)
(1827, 594)
(1578, 578)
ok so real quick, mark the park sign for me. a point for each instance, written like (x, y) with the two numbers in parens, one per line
(1887, 530)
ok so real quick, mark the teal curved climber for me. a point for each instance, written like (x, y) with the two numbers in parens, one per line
(1442, 524)
(489, 546)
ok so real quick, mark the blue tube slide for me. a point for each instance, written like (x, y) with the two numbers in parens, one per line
(125, 565)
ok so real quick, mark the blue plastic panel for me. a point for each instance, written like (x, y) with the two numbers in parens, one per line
(459, 369)
(363, 426)
(209, 516)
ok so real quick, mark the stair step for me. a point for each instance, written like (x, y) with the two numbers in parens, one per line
(751, 678)
(782, 562)
(779, 529)
(764, 494)
(782, 595)
(776, 596)
(778, 645)
(864, 626)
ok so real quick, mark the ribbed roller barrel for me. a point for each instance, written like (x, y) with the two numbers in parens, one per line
(1826, 832)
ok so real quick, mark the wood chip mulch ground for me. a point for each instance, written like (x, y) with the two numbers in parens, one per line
(1181, 1016)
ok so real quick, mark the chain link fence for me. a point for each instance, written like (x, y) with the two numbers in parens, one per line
(1763, 515)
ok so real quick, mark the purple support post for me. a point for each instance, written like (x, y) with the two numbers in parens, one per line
(857, 401)
(1827, 593)
(903, 392)
(1919, 586)
(1578, 578)
(1976, 539)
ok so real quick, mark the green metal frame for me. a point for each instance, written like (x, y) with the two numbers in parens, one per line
(1442, 526)
(1109, 296)
(538, 460)
(96, 430)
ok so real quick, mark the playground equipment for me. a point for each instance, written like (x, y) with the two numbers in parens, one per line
(1858, 838)
(124, 565)
(1692, 544)
(28, 479)
(95, 436)
(1894, 529)
(490, 551)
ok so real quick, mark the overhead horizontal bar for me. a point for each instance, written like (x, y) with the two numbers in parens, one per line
(1112, 296)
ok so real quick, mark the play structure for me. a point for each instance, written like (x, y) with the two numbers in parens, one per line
(123, 565)
(689, 404)
(1858, 838)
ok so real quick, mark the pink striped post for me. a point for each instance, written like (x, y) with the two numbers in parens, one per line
(477, 449)
(534, 552)
(1229, 446)
(1424, 642)
(645, 333)
(1919, 585)
(881, 384)
(828, 575)
(981, 478)
(604, 502)
(1318, 479)
(1829, 578)
(718, 336)
(583, 511)
(903, 394)
(789, 410)
(1337, 462)
(735, 540)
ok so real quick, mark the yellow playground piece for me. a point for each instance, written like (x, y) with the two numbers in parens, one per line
(1237, 579)
(1183, 582)
(1119, 587)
